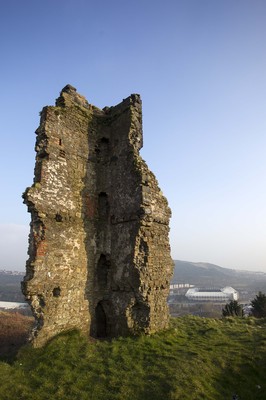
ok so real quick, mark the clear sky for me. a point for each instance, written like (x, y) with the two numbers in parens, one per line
(199, 66)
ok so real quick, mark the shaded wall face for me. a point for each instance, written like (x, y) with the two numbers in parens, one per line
(119, 198)
(99, 256)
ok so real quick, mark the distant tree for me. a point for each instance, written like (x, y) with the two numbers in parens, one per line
(259, 305)
(233, 309)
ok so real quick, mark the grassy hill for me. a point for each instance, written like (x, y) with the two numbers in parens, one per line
(197, 358)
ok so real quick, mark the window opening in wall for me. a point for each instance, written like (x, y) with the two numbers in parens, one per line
(102, 147)
(56, 292)
(103, 205)
(60, 142)
(101, 322)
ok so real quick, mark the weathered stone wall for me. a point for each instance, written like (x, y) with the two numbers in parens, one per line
(99, 255)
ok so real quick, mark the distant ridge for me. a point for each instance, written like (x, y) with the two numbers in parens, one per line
(200, 273)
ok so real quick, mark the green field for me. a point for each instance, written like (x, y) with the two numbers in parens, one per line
(197, 358)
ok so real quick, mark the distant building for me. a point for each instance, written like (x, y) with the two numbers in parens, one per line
(180, 286)
(220, 295)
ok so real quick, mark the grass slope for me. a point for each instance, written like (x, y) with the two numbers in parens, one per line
(195, 359)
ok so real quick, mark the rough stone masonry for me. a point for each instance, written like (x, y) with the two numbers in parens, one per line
(99, 254)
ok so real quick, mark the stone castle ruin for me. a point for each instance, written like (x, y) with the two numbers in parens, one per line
(99, 254)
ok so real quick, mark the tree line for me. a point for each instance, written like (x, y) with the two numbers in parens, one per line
(235, 309)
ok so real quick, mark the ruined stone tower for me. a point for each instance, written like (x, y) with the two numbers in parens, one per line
(99, 255)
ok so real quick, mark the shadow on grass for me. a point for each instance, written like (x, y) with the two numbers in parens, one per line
(245, 375)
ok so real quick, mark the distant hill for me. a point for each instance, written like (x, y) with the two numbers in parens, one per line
(10, 289)
(205, 274)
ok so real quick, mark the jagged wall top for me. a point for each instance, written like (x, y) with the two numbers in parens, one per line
(69, 97)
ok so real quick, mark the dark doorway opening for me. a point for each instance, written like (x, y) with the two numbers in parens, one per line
(101, 322)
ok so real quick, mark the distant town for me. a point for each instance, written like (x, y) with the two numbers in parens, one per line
(9, 272)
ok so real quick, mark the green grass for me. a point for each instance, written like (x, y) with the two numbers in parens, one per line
(197, 358)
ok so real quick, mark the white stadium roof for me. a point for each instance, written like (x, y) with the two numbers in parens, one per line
(224, 294)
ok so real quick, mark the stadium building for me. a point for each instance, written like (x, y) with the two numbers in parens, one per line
(220, 295)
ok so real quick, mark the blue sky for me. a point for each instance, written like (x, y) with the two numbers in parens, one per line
(199, 66)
